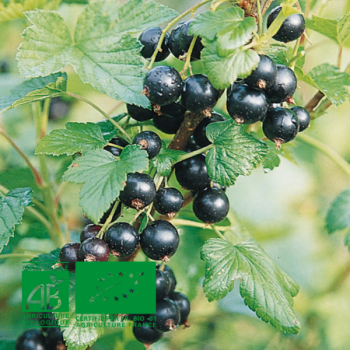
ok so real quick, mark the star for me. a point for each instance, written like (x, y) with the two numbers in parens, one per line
(110, 274)
(142, 273)
(92, 300)
(120, 274)
(101, 279)
(105, 298)
(97, 288)
(136, 282)
(131, 275)
(116, 298)
(131, 290)
(125, 296)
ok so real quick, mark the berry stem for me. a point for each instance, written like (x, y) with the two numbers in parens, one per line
(174, 21)
(340, 54)
(194, 153)
(17, 255)
(183, 222)
(295, 54)
(218, 232)
(115, 146)
(108, 221)
(188, 57)
(260, 18)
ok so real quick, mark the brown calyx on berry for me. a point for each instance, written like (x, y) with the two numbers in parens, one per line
(143, 143)
(137, 204)
(278, 143)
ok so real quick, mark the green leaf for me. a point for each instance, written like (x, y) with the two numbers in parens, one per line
(77, 137)
(43, 262)
(102, 173)
(165, 159)
(265, 288)
(338, 215)
(272, 159)
(108, 129)
(234, 152)
(347, 240)
(11, 210)
(35, 89)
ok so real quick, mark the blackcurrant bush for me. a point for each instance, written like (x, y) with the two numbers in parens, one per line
(162, 85)
(263, 75)
(171, 276)
(198, 94)
(162, 285)
(116, 214)
(115, 150)
(149, 39)
(167, 315)
(284, 85)
(146, 334)
(139, 191)
(168, 201)
(32, 339)
(94, 249)
(174, 45)
(246, 105)
(192, 173)
(185, 41)
(122, 239)
(199, 134)
(292, 27)
(140, 114)
(168, 125)
(280, 125)
(89, 231)
(149, 141)
(183, 304)
(160, 240)
(54, 339)
(176, 110)
(303, 117)
(211, 205)
(69, 255)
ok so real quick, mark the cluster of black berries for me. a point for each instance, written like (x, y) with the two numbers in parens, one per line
(172, 310)
(47, 339)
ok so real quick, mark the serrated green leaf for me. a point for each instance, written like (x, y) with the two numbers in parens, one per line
(234, 152)
(338, 215)
(272, 159)
(35, 89)
(11, 210)
(165, 159)
(77, 137)
(265, 288)
(347, 240)
(108, 129)
(102, 176)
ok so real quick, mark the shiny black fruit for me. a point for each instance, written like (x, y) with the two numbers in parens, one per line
(303, 117)
(149, 39)
(171, 276)
(199, 134)
(182, 304)
(69, 255)
(174, 45)
(167, 315)
(32, 339)
(94, 249)
(89, 231)
(149, 141)
(115, 150)
(263, 75)
(146, 334)
(168, 125)
(185, 41)
(140, 114)
(168, 201)
(162, 285)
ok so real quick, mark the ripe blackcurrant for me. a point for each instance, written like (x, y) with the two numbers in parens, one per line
(139, 191)
(94, 249)
(182, 304)
(211, 205)
(162, 285)
(280, 125)
(168, 125)
(284, 85)
(122, 239)
(303, 117)
(236, 83)
(140, 114)
(246, 105)
(162, 85)
(185, 41)
(32, 339)
(272, 106)
(69, 255)
(54, 339)
(116, 214)
(115, 150)
(292, 27)
(146, 334)
(176, 110)
(149, 141)
(168, 201)
(199, 134)
(192, 173)
(89, 231)
(174, 45)
(149, 39)
(198, 95)
(171, 276)
(264, 74)
(191, 145)
(160, 240)
(167, 315)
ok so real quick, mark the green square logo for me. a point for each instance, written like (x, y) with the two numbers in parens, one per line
(115, 287)
(45, 291)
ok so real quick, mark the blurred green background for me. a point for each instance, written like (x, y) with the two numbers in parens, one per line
(284, 211)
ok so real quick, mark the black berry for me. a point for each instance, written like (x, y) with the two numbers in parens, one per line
(54, 339)
(174, 45)
(303, 117)
(175, 109)
(171, 276)
(198, 94)
(211, 205)
(32, 339)
(116, 214)
(162, 85)
(146, 334)
(160, 240)
(89, 231)
(69, 255)
(191, 145)
(149, 141)
(115, 150)
(199, 134)
(162, 285)
(139, 191)
(284, 85)
(182, 304)
(149, 39)
(94, 249)
(246, 105)
(264, 74)
(168, 125)
(185, 41)
(122, 239)
(168, 201)
(192, 173)
(292, 27)
(232, 86)
(140, 114)
(280, 125)
(167, 315)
